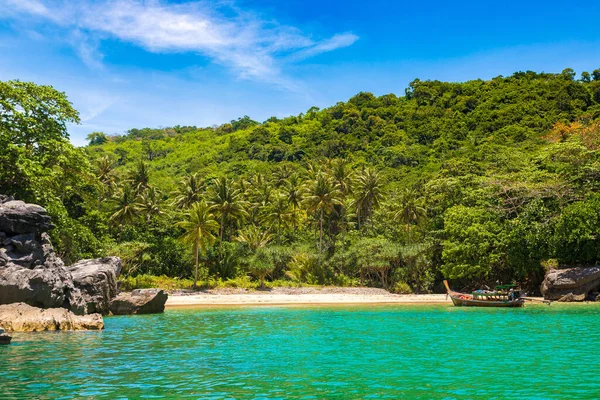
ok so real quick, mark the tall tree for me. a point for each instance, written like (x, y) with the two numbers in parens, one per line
(140, 177)
(38, 162)
(280, 214)
(321, 198)
(409, 210)
(125, 209)
(188, 192)
(199, 226)
(227, 202)
(368, 194)
(344, 181)
(97, 138)
(148, 203)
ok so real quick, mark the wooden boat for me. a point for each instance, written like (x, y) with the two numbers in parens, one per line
(480, 298)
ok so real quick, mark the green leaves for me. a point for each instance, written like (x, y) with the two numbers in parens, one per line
(473, 248)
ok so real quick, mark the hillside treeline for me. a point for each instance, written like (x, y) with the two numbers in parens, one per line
(479, 182)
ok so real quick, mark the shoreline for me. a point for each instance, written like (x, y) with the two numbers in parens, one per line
(298, 297)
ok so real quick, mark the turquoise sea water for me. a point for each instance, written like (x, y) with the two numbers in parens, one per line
(403, 351)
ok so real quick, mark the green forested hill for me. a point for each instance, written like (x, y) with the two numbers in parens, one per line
(477, 181)
(404, 136)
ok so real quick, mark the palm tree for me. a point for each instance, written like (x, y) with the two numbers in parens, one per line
(188, 192)
(368, 194)
(282, 174)
(294, 191)
(342, 176)
(409, 210)
(258, 191)
(199, 226)
(140, 177)
(280, 214)
(104, 170)
(105, 174)
(125, 210)
(321, 198)
(228, 204)
(148, 203)
(254, 237)
(344, 180)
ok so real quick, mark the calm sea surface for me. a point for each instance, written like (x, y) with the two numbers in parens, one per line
(428, 352)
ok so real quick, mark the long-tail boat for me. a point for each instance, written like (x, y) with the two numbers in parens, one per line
(503, 296)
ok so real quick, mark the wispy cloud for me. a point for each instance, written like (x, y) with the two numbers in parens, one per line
(336, 42)
(254, 48)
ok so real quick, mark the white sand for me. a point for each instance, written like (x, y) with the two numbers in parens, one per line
(299, 296)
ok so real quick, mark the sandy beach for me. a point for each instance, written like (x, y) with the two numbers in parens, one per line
(298, 296)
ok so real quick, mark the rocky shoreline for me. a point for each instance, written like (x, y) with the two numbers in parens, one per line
(38, 292)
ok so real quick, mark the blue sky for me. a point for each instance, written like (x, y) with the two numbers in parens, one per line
(132, 64)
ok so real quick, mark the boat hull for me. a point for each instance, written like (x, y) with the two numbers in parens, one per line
(468, 300)
(457, 301)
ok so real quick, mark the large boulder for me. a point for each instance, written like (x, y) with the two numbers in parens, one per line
(139, 301)
(18, 217)
(97, 281)
(32, 273)
(571, 284)
(21, 317)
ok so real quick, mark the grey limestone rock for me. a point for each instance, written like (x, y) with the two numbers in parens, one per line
(18, 217)
(97, 281)
(139, 301)
(571, 284)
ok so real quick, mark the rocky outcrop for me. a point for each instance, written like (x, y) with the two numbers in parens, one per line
(17, 217)
(97, 281)
(140, 301)
(30, 270)
(571, 284)
(21, 317)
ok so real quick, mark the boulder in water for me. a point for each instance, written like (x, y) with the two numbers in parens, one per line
(4, 337)
(31, 272)
(97, 281)
(139, 301)
(21, 317)
(571, 284)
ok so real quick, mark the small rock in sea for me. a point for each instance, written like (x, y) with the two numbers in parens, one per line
(140, 301)
(4, 337)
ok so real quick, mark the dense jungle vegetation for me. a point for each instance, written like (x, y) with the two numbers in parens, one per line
(479, 182)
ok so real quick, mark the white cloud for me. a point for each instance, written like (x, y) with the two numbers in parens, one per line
(252, 47)
(336, 42)
(31, 6)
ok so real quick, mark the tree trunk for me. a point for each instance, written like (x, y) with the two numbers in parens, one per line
(196, 270)
(221, 237)
(321, 232)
